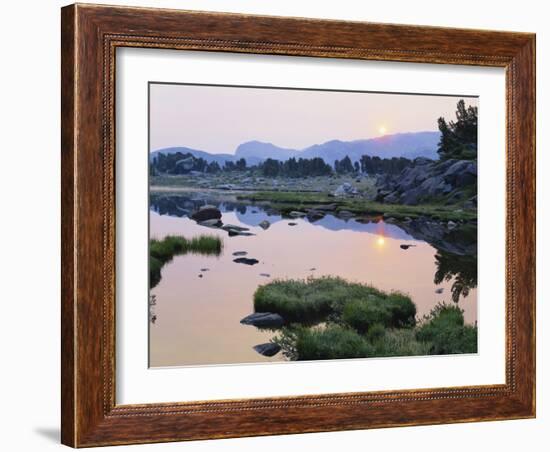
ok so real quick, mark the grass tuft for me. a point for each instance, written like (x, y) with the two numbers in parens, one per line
(163, 251)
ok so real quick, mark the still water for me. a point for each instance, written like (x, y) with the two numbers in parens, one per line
(197, 318)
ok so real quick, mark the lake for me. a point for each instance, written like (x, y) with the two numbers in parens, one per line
(200, 300)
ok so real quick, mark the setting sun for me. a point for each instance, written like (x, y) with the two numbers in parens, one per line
(380, 241)
(382, 130)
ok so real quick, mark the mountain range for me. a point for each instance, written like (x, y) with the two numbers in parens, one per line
(409, 145)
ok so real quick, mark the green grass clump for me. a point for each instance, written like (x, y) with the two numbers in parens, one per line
(360, 321)
(390, 311)
(445, 331)
(332, 342)
(163, 251)
(313, 299)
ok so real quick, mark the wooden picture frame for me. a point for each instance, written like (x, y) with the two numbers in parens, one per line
(90, 36)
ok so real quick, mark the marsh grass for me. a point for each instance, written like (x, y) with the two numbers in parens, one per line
(359, 321)
(289, 201)
(163, 251)
(314, 299)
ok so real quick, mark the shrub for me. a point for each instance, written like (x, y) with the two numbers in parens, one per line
(446, 333)
(376, 332)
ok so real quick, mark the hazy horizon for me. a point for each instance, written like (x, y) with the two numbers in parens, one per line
(220, 118)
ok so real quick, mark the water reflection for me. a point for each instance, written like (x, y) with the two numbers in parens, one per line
(461, 269)
(197, 313)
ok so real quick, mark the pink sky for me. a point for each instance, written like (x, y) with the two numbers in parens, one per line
(217, 119)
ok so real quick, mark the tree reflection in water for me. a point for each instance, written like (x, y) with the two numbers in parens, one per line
(462, 268)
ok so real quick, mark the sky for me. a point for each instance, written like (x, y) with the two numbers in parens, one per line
(217, 119)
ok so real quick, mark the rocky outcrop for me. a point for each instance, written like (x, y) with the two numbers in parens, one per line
(427, 180)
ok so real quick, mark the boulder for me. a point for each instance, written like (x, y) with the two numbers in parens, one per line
(264, 320)
(267, 349)
(345, 189)
(240, 253)
(206, 213)
(392, 198)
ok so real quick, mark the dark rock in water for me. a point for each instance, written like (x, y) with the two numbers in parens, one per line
(233, 233)
(200, 276)
(227, 227)
(240, 253)
(440, 290)
(297, 214)
(312, 269)
(264, 224)
(213, 223)
(266, 275)
(267, 349)
(405, 247)
(246, 260)
(205, 269)
(292, 224)
(264, 319)
(207, 213)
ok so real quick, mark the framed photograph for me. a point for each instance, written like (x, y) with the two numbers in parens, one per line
(282, 225)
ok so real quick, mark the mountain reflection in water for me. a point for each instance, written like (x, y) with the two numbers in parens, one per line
(197, 313)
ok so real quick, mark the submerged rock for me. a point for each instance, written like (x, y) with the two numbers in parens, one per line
(265, 275)
(227, 227)
(297, 214)
(246, 260)
(405, 246)
(267, 349)
(292, 224)
(233, 233)
(240, 253)
(439, 290)
(263, 319)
